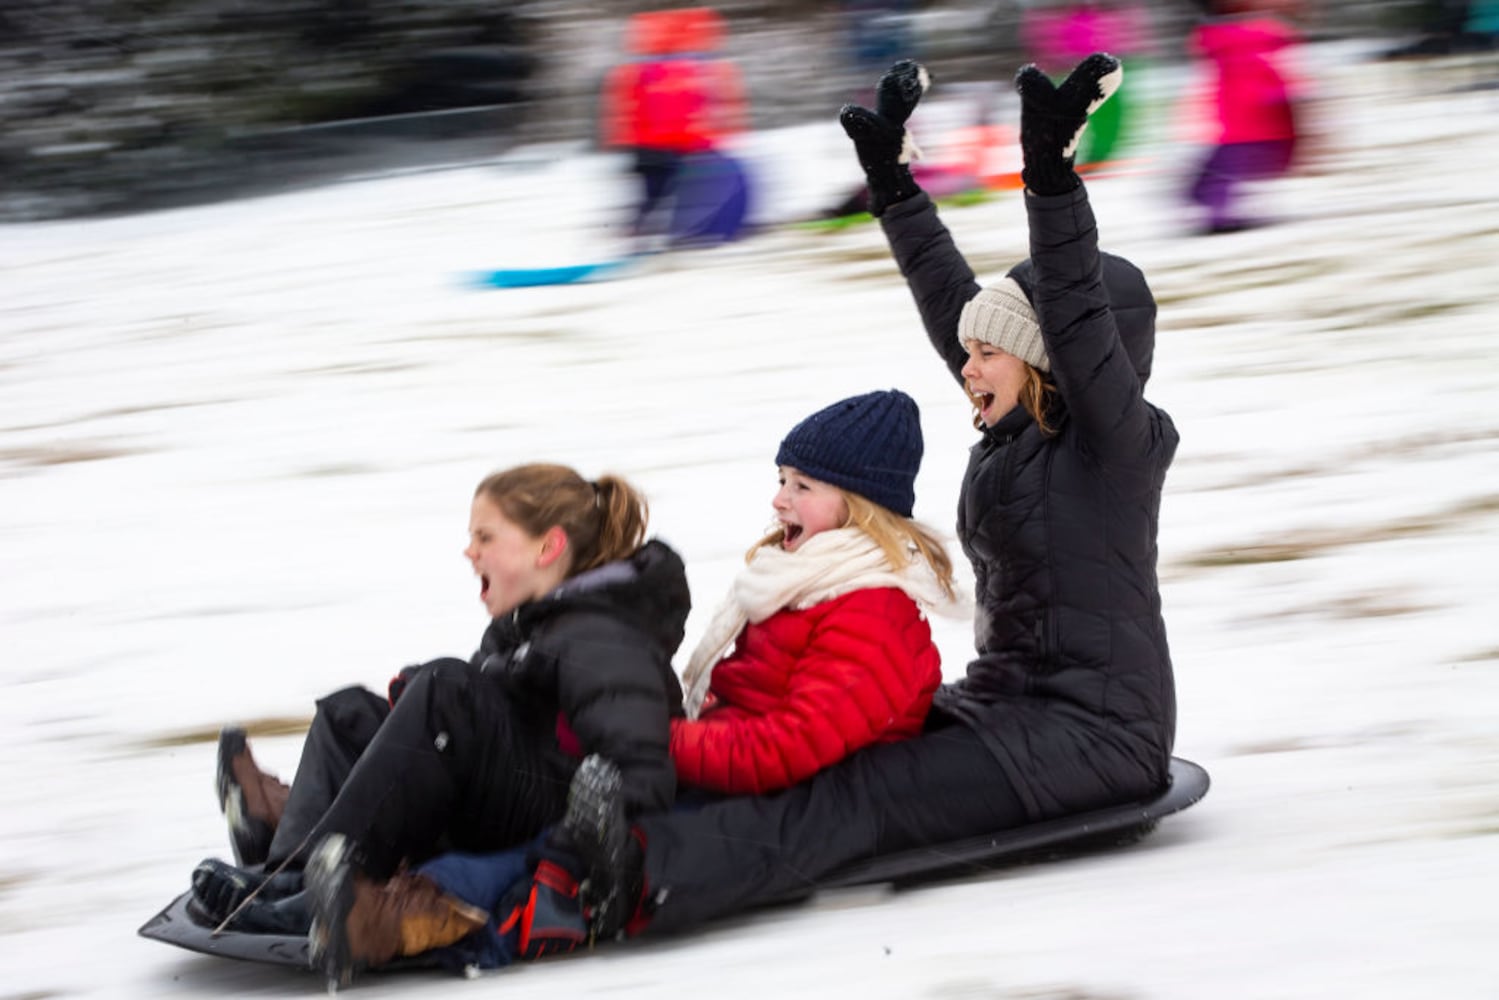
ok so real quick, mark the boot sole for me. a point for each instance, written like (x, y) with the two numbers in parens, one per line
(249, 838)
(592, 799)
(330, 882)
(596, 823)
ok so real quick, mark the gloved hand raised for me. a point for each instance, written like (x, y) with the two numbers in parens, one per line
(1052, 119)
(884, 148)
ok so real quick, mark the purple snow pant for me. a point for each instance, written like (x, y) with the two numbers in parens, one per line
(1227, 168)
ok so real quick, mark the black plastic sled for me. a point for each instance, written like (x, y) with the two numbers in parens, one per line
(1113, 826)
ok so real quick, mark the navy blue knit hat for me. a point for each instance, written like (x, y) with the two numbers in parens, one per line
(869, 445)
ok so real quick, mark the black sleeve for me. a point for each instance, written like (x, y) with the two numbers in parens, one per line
(1092, 370)
(611, 689)
(940, 279)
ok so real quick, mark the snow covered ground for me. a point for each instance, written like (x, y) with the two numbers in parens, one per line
(237, 446)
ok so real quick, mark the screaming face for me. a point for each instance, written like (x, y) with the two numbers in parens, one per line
(993, 379)
(804, 506)
(506, 559)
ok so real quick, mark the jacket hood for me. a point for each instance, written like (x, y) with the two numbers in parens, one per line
(1129, 297)
(649, 588)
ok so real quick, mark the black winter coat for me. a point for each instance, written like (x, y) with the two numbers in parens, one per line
(588, 668)
(1072, 690)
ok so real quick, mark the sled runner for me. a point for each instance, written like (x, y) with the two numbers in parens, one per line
(1113, 826)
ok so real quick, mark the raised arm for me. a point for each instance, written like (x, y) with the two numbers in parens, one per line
(940, 279)
(1092, 369)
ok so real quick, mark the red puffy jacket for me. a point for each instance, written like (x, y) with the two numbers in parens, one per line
(804, 689)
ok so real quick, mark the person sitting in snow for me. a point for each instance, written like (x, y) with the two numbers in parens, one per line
(1070, 704)
(585, 617)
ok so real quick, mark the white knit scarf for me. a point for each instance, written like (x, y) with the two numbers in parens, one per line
(827, 565)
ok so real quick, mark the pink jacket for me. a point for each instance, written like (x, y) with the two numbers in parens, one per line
(1252, 97)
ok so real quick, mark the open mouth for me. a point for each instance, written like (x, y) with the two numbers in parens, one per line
(790, 533)
(483, 587)
(981, 400)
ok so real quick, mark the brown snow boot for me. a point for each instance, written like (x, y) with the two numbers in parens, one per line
(358, 923)
(252, 801)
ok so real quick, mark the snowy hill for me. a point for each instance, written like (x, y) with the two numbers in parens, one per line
(237, 445)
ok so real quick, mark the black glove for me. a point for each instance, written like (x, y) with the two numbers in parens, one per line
(1052, 119)
(885, 150)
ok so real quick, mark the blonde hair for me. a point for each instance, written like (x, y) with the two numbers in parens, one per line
(895, 535)
(1035, 396)
(605, 519)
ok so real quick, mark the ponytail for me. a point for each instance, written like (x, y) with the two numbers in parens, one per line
(604, 520)
(623, 515)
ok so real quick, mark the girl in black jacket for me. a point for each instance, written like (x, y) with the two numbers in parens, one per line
(478, 755)
(1070, 704)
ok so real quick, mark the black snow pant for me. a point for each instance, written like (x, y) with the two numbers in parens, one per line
(344, 724)
(739, 853)
(454, 765)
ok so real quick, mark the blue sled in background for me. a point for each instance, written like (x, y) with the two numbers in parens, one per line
(709, 207)
(570, 274)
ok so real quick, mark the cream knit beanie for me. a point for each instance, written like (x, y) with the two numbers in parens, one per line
(1001, 315)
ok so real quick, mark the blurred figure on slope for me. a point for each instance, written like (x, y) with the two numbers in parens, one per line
(875, 33)
(1250, 104)
(673, 106)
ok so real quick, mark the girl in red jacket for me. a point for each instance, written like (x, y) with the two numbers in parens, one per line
(828, 647)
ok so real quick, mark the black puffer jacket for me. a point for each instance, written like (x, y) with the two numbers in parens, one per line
(589, 668)
(1072, 689)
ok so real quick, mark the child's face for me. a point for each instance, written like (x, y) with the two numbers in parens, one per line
(805, 506)
(506, 558)
(995, 378)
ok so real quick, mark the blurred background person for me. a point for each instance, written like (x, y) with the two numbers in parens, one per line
(673, 105)
(1250, 105)
(876, 33)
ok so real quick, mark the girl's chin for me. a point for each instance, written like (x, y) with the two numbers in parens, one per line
(994, 413)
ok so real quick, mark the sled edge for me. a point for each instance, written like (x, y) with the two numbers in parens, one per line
(1189, 783)
(174, 925)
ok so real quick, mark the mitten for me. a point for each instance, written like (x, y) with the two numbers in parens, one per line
(1052, 119)
(884, 148)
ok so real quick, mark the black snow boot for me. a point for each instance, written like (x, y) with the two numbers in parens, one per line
(288, 917)
(219, 888)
